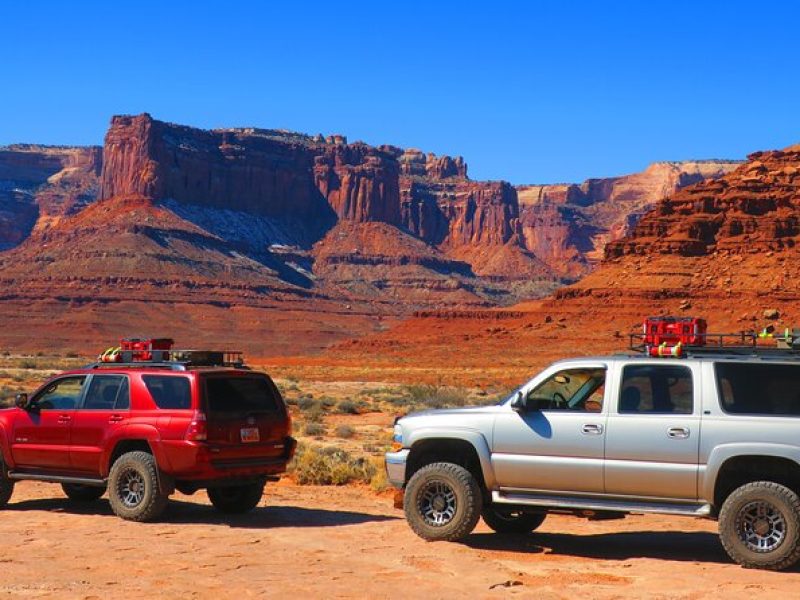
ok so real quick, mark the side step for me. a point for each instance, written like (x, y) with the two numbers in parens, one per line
(628, 506)
(56, 478)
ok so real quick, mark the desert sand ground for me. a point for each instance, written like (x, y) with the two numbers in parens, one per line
(347, 542)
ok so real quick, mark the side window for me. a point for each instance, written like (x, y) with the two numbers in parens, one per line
(62, 394)
(759, 389)
(107, 392)
(169, 391)
(656, 389)
(570, 389)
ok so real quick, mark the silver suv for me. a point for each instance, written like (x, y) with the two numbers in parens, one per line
(715, 436)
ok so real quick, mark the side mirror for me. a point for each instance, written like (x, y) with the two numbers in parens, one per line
(518, 403)
(21, 401)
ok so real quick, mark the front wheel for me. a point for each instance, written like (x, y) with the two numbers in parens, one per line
(511, 521)
(133, 487)
(442, 501)
(759, 526)
(82, 493)
(236, 499)
(6, 485)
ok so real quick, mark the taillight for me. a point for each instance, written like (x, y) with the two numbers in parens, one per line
(198, 429)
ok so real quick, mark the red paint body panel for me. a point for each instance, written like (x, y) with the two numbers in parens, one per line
(82, 441)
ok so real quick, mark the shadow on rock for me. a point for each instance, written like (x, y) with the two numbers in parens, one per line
(697, 546)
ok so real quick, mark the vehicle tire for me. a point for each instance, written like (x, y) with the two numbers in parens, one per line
(759, 526)
(442, 501)
(236, 499)
(6, 485)
(511, 521)
(133, 487)
(82, 493)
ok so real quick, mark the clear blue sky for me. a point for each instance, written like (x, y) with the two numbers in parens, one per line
(529, 91)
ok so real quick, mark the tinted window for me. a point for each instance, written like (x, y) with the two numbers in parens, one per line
(759, 389)
(240, 394)
(63, 394)
(107, 392)
(656, 389)
(571, 389)
(169, 391)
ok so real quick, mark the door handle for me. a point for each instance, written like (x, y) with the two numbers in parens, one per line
(679, 433)
(592, 429)
(115, 418)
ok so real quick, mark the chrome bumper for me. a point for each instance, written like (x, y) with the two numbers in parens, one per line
(396, 467)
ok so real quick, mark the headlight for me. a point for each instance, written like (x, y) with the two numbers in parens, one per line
(397, 438)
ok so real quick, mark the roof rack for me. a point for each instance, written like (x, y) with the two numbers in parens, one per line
(175, 360)
(166, 365)
(687, 337)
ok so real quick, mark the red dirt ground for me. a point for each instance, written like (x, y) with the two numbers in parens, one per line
(309, 542)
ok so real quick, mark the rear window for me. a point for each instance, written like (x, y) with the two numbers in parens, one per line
(169, 391)
(759, 389)
(240, 394)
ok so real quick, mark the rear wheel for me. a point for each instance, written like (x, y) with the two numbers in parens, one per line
(6, 485)
(442, 502)
(236, 499)
(511, 521)
(82, 493)
(133, 487)
(759, 526)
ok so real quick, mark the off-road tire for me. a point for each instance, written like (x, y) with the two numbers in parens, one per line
(6, 485)
(143, 502)
(235, 500)
(782, 504)
(82, 493)
(452, 488)
(507, 521)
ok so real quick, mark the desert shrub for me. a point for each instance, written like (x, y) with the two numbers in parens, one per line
(435, 396)
(379, 482)
(314, 428)
(290, 401)
(306, 402)
(327, 402)
(316, 465)
(27, 364)
(345, 431)
(347, 407)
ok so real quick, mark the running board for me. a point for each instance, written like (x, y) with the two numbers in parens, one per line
(56, 478)
(628, 506)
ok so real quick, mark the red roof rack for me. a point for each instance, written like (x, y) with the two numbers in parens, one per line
(683, 336)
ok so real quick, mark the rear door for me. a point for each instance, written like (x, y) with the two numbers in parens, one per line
(653, 433)
(98, 418)
(247, 418)
(42, 433)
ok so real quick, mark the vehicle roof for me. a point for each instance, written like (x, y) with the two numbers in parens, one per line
(154, 370)
(705, 357)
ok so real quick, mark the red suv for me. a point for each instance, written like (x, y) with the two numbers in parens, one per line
(141, 429)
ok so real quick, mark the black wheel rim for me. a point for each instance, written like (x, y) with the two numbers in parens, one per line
(437, 503)
(761, 526)
(131, 488)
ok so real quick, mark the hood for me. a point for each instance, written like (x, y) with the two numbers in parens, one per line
(451, 412)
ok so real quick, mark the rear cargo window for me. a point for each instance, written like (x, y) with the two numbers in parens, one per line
(240, 394)
(169, 391)
(759, 389)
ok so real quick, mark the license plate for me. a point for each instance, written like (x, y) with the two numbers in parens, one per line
(249, 434)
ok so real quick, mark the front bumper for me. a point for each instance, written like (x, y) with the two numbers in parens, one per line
(396, 467)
